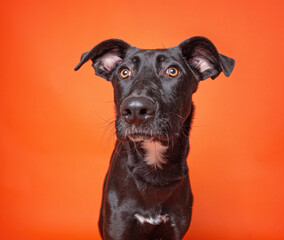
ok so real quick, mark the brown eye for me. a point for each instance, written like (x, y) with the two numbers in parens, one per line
(125, 73)
(172, 71)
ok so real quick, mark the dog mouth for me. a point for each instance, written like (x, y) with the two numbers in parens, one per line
(146, 136)
(155, 131)
(140, 137)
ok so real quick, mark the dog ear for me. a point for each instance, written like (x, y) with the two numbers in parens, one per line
(204, 59)
(105, 56)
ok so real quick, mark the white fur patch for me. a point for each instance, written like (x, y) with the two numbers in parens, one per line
(154, 221)
(154, 153)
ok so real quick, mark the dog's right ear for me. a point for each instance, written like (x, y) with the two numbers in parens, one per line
(105, 56)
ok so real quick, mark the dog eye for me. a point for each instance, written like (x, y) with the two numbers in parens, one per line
(172, 71)
(125, 73)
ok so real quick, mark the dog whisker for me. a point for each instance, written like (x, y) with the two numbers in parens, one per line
(181, 117)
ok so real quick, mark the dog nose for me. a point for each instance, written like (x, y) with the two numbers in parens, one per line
(137, 110)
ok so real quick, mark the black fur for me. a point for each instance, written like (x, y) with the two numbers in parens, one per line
(132, 186)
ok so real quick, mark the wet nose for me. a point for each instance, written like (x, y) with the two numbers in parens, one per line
(138, 110)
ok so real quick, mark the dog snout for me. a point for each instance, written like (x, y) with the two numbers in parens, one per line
(137, 110)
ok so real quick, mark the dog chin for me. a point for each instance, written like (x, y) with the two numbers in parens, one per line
(140, 138)
(149, 138)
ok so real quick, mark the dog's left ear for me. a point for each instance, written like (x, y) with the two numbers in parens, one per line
(105, 56)
(204, 59)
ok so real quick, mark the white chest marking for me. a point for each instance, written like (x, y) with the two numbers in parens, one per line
(154, 221)
(154, 153)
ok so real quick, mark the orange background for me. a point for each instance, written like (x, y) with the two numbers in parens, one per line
(56, 143)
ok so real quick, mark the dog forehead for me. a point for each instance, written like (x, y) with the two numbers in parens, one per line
(154, 54)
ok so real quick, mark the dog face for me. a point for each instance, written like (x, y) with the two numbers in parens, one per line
(146, 98)
(153, 88)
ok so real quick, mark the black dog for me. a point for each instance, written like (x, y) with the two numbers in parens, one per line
(147, 192)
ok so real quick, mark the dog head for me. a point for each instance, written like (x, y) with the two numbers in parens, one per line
(153, 88)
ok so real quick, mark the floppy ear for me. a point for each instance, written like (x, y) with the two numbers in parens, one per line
(105, 56)
(204, 59)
